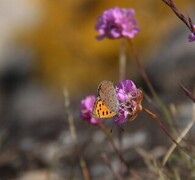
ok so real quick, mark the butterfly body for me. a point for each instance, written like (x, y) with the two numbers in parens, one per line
(106, 104)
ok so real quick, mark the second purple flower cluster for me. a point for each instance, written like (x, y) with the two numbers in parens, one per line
(191, 36)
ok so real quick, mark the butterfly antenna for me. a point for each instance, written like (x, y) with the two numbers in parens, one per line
(122, 129)
(111, 129)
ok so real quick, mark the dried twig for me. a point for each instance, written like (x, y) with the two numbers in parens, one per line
(188, 93)
(150, 86)
(107, 162)
(186, 20)
(73, 133)
(182, 135)
(151, 163)
(154, 116)
(107, 132)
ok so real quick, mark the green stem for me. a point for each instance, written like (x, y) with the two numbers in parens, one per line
(122, 60)
(122, 76)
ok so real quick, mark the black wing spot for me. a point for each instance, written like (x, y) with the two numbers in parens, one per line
(106, 112)
(103, 113)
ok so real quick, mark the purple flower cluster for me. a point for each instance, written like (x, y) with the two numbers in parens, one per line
(116, 23)
(129, 98)
(191, 37)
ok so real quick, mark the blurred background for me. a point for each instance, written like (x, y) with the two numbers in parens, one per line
(46, 46)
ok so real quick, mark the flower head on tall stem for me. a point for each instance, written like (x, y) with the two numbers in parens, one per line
(116, 23)
(86, 110)
(130, 99)
(191, 36)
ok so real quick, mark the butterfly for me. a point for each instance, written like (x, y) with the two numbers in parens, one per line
(106, 104)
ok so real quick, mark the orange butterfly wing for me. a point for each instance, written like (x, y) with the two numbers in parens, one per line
(101, 111)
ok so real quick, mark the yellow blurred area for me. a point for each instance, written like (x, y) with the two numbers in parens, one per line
(67, 53)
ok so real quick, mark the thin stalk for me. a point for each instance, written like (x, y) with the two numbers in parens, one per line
(141, 69)
(188, 93)
(108, 135)
(186, 20)
(122, 60)
(107, 162)
(150, 87)
(183, 134)
(122, 76)
(154, 116)
(73, 133)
